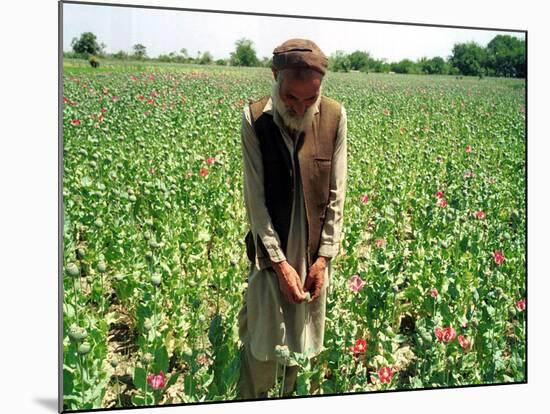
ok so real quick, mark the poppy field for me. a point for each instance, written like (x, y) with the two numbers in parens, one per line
(429, 287)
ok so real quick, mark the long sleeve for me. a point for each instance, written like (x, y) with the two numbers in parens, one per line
(254, 199)
(332, 229)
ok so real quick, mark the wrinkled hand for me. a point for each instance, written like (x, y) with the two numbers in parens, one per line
(289, 282)
(316, 278)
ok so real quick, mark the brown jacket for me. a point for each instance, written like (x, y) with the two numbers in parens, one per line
(314, 152)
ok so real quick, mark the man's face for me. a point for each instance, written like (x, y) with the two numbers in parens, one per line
(295, 99)
(299, 94)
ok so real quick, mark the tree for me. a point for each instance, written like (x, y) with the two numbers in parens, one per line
(86, 45)
(206, 58)
(359, 60)
(244, 54)
(506, 56)
(121, 54)
(404, 66)
(339, 62)
(139, 51)
(469, 58)
(435, 65)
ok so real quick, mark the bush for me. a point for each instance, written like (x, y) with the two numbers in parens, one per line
(93, 61)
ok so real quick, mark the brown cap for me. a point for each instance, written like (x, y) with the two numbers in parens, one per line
(299, 53)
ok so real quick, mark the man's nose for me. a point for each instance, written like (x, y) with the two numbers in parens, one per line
(300, 108)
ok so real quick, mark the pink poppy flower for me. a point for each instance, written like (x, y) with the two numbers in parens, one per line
(115, 98)
(355, 283)
(464, 343)
(443, 203)
(445, 334)
(103, 110)
(520, 304)
(439, 194)
(360, 346)
(211, 160)
(480, 214)
(364, 199)
(75, 122)
(434, 292)
(156, 381)
(499, 257)
(385, 374)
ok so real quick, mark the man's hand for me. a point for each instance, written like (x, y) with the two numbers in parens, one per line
(316, 278)
(289, 282)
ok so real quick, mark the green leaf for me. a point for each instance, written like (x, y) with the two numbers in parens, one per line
(162, 361)
(140, 377)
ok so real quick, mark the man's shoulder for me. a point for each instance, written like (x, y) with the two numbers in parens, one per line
(263, 99)
(257, 106)
(331, 104)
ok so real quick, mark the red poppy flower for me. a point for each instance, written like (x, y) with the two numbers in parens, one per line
(499, 257)
(150, 101)
(211, 160)
(75, 122)
(103, 110)
(468, 148)
(156, 381)
(360, 347)
(443, 203)
(203, 172)
(385, 374)
(364, 198)
(464, 343)
(520, 304)
(439, 194)
(141, 97)
(480, 214)
(445, 334)
(434, 292)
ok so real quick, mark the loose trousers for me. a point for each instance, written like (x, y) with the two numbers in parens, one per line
(258, 377)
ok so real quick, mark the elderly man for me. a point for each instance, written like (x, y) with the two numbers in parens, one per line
(295, 171)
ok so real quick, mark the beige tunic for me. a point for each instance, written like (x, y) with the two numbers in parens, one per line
(267, 319)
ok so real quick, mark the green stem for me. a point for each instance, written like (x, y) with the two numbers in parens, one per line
(281, 392)
(146, 373)
(118, 391)
(81, 379)
(276, 375)
(75, 300)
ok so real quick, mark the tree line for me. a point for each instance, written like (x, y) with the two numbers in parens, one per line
(504, 56)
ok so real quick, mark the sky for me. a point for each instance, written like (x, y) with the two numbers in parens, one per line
(165, 31)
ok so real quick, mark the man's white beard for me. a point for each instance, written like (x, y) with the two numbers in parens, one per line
(290, 119)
